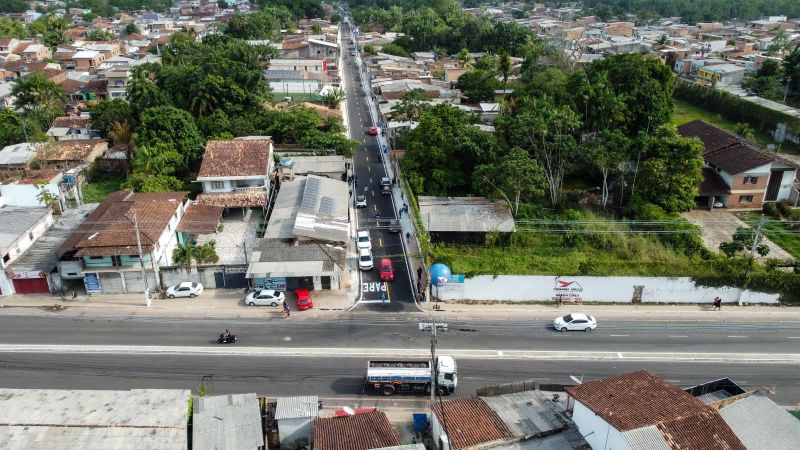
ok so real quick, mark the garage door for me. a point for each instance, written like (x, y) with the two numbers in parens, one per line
(111, 283)
(31, 286)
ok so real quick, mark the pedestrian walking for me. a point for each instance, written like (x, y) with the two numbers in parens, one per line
(74, 295)
(717, 304)
(408, 237)
(400, 213)
(351, 192)
(287, 310)
(419, 286)
(419, 273)
(405, 207)
(401, 195)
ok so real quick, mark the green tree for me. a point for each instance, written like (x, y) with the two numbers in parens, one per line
(13, 6)
(106, 113)
(607, 151)
(139, 182)
(478, 85)
(122, 136)
(131, 28)
(670, 172)
(100, 35)
(174, 127)
(643, 83)
(186, 254)
(768, 81)
(326, 141)
(411, 105)
(742, 241)
(504, 67)
(514, 176)
(745, 130)
(336, 18)
(369, 49)
(37, 92)
(316, 28)
(16, 128)
(45, 197)
(393, 49)
(464, 57)
(10, 28)
(333, 98)
(207, 94)
(51, 29)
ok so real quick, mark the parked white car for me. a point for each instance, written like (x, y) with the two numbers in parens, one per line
(363, 241)
(185, 289)
(361, 201)
(573, 322)
(265, 297)
(365, 259)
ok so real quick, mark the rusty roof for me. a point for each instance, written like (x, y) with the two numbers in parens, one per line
(110, 229)
(635, 400)
(358, 432)
(703, 431)
(235, 158)
(252, 199)
(71, 121)
(200, 219)
(73, 150)
(470, 422)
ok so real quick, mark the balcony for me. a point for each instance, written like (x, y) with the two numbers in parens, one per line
(250, 188)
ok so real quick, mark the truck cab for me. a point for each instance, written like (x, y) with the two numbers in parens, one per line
(447, 376)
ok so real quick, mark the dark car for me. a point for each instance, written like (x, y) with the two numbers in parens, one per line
(394, 226)
(386, 190)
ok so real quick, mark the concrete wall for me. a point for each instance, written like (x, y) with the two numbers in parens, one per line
(174, 275)
(594, 289)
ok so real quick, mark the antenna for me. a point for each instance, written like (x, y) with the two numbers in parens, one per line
(348, 410)
(576, 379)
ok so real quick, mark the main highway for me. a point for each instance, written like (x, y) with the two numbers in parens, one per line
(328, 357)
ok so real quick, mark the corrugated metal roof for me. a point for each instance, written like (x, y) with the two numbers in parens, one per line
(646, 438)
(759, 423)
(713, 397)
(324, 210)
(227, 421)
(465, 214)
(284, 213)
(297, 407)
(528, 413)
(15, 221)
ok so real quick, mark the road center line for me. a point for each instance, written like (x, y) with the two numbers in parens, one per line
(679, 336)
(792, 337)
(738, 337)
(620, 335)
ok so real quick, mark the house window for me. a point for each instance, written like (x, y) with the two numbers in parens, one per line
(217, 185)
(750, 180)
(745, 198)
(97, 257)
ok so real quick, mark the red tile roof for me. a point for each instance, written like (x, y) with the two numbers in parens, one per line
(71, 121)
(359, 432)
(704, 431)
(236, 158)
(470, 422)
(250, 199)
(636, 400)
(75, 150)
(200, 219)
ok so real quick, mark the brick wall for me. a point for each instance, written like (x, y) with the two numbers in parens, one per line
(741, 189)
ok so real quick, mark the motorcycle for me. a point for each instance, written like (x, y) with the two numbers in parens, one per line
(230, 340)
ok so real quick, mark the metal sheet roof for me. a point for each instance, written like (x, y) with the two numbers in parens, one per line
(227, 421)
(527, 413)
(284, 212)
(760, 423)
(646, 438)
(297, 407)
(324, 212)
(465, 214)
(15, 221)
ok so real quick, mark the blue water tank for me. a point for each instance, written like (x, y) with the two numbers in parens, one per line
(286, 162)
(420, 421)
(440, 274)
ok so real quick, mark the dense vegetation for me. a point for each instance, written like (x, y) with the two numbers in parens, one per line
(690, 11)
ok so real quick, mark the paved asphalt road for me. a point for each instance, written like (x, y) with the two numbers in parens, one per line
(341, 375)
(376, 295)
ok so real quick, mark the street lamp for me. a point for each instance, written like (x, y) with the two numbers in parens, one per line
(433, 327)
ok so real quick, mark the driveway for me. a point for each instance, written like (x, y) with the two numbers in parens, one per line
(718, 225)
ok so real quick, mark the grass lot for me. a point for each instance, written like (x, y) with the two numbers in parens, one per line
(686, 112)
(100, 184)
(308, 97)
(778, 232)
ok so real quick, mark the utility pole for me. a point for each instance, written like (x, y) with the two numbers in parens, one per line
(141, 261)
(756, 238)
(432, 326)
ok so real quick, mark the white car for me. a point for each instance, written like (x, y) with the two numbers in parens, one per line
(364, 259)
(361, 201)
(185, 289)
(265, 297)
(363, 241)
(579, 322)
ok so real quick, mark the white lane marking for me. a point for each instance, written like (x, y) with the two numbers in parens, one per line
(619, 355)
(738, 337)
(620, 335)
(679, 336)
(792, 337)
(500, 353)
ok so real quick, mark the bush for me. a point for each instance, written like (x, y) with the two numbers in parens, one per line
(770, 210)
(784, 209)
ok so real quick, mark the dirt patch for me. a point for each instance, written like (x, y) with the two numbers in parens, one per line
(718, 225)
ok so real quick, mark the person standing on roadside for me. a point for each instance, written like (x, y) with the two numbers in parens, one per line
(717, 304)
(287, 310)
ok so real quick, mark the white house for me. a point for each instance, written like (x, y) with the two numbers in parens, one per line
(20, 227)
(236, 173)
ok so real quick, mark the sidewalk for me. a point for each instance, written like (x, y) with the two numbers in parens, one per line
(334, 304)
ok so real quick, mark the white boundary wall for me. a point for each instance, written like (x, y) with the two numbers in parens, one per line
(594, 289)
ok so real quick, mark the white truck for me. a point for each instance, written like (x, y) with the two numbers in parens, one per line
(391, 376)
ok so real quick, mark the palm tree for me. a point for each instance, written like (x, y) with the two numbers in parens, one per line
(184, 254)
(122, 135)
(504, 67)
(36, 91)
(333, 98)
(464, 58)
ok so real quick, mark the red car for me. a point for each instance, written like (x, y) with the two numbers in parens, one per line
(373, 131)
(387, 271)
(303, 299)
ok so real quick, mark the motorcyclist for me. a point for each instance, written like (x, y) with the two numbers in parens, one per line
(226, 335)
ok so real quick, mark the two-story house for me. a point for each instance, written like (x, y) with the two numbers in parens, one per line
(236, 173)
(72, 128)
(20, 227)
(88, 60)
(16, 159)
(738, 173)
(104, 251)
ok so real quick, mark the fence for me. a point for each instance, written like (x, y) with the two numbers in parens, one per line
(211, 277)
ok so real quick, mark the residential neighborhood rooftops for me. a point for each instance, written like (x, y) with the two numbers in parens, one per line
(470, 422)
(235, 158)
(358, 432)
(19, 153)
(635, 400)
(74, 150)
(93, 419)
(71, 121)
(466, 214)
(283, 258)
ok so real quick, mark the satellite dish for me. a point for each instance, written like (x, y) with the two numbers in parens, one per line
(348, 410)
(576, 379)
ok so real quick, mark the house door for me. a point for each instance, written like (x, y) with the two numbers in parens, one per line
(774, 185)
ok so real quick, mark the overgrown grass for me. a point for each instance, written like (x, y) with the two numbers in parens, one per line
(609, 250)
(296, 97)
(796, 413)
(778, 232)
(99, 184)
(686, 112)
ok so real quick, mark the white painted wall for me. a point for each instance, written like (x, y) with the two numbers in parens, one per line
(595, 289)
(227, 186)
(18, 247)
(295, 87)
(787, 182)
(599, 434)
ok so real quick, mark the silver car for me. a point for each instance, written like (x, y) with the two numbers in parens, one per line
(265, 297)
(185, 289)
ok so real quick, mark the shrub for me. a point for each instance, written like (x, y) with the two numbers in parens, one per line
(784, 209)
(770, 210)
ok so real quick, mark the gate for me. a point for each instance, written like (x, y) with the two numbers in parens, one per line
(231, 277)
